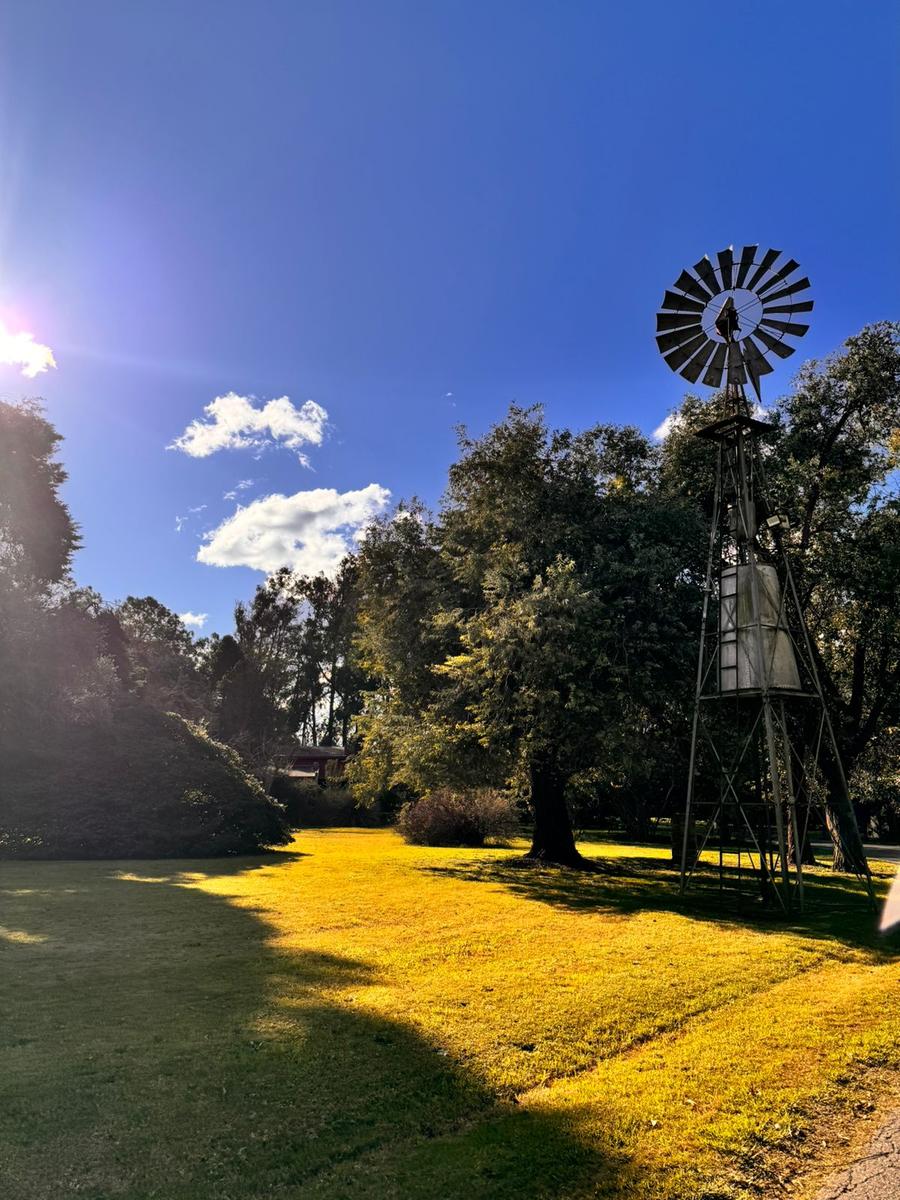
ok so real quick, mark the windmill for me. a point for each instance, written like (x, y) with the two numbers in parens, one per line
(764, 761)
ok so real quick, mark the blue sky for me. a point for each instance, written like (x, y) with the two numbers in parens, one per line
(409, 214)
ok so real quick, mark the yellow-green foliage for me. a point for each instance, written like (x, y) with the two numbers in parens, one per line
(355, 1017)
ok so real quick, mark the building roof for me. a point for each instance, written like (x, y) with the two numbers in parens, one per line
(313, 752)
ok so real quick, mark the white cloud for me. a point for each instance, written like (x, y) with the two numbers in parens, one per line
(662, 431)
(240, 486)
(309, 531)
(243, 484)
(673, 420)
(21, 350)
(235, 423)
(180, 522)
(193, 620)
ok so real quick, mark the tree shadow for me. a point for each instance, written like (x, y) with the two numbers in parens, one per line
(836, 907)
(159, 1041)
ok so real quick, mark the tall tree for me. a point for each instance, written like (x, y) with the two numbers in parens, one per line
(289, 669)
(162, 666)
(41, 647)
(584, 599)
(504, 635)
(37, 533)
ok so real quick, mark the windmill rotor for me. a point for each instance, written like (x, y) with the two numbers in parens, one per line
(727, 318)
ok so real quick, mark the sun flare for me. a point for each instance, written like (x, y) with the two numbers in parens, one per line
(21, 350)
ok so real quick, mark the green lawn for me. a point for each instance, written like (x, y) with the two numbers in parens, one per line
(357, 1017)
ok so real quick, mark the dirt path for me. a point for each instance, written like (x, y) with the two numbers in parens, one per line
(876, 1174)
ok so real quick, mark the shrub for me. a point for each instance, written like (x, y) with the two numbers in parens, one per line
(311, 805)
(142, 785)
(465, 818)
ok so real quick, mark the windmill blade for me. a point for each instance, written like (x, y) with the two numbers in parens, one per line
(726, 265)
(754, 379)
(753, 357)
(704, 269)
(747, 256)
(687, 283)
(800, 306)
(790, 266)
(681, 303)
(799, 285)
(713, 376)
(675, 320)
(691, 370)
(679, 357)
(668, 341)
(736, 372)
(752, 365)
(784, 326)
(782, 349)
(769, 258)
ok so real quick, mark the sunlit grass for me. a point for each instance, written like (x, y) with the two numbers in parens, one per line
(358, 1017)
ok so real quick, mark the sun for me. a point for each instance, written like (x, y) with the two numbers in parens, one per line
(21, 350)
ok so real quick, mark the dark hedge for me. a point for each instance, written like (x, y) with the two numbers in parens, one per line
(143, 785)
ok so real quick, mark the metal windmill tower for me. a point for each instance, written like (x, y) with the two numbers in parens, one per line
(762, 744)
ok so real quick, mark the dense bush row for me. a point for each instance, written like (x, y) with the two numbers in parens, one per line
(145, 784)
(311, 805)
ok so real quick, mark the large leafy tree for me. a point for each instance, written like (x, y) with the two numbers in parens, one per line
(44, 648)
(835, 468)
(161, 660)
(406, 599)
(504, 635)
(37, 533)
(580, 620)
(289, 669)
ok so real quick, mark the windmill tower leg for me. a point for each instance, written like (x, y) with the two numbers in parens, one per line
(792, 803)
(855, 852)
(702, 667)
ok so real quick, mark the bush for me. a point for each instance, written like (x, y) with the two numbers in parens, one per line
(469, 818)
(143, 785)
(312, 805)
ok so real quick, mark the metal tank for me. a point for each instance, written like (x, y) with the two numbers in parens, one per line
(739, 633)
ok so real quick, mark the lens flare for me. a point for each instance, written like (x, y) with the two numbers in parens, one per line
(890, 915)
(21, 350)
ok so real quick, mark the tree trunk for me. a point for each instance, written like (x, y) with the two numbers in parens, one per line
(807, 855)
(849, 854)
(329, 733)
(553, 840)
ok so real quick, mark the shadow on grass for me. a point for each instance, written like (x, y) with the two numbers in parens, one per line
(836, 906)
(156, 1042)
